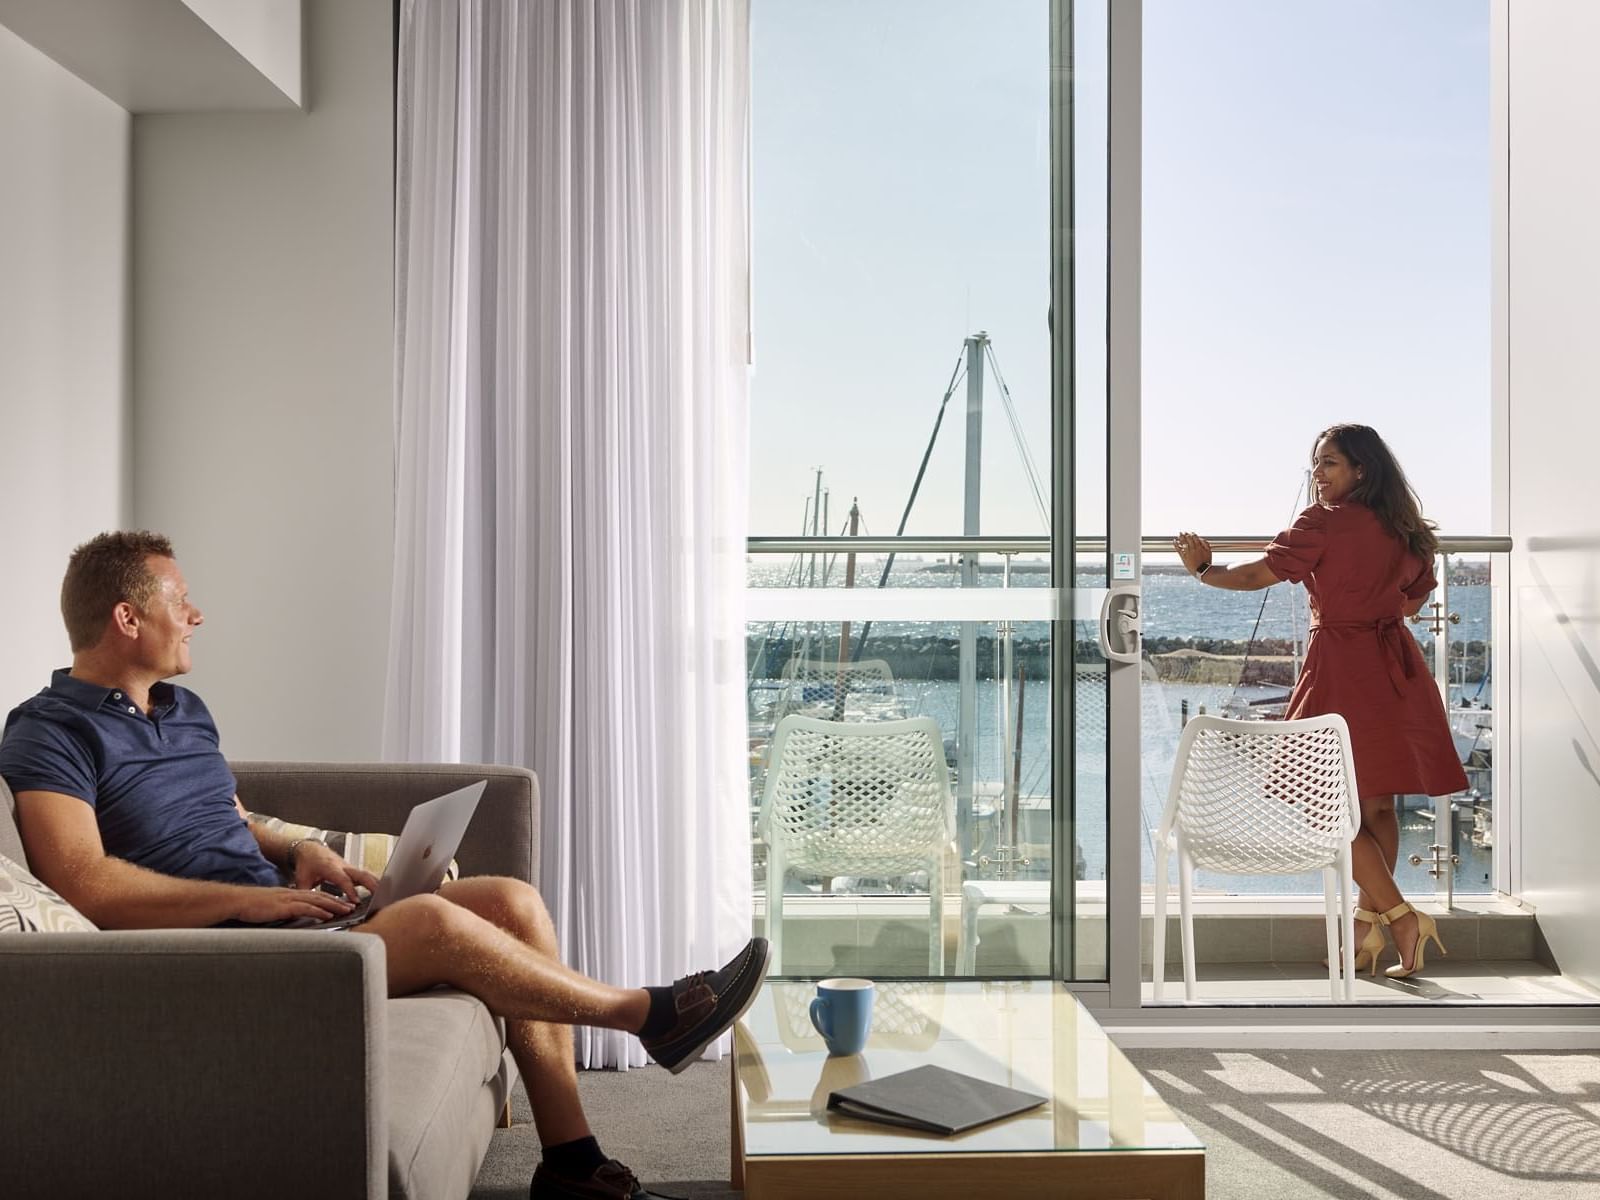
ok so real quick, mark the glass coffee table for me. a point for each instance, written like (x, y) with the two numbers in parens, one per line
(1104, 1132)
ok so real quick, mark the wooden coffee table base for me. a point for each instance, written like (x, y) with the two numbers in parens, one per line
(1089, 1175)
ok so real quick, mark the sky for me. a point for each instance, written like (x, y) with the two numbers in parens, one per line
(1316, 248)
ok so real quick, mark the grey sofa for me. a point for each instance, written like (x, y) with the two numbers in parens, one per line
(246, 1063)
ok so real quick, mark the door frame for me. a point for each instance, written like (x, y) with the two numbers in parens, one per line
(1123, 486)
(1124, 518)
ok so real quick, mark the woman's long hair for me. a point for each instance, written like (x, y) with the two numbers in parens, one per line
(1383, 486)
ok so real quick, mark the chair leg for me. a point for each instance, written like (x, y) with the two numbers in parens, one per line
(967, 951)
(1186, 918)
(1347, 911)
(1158, 931)
(1331, 909)
(936, 919)
(775, 873)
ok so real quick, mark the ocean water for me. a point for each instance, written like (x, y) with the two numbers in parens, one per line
(1174, 606)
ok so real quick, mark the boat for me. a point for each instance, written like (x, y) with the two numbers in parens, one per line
(1256, 708)
(1472, 727)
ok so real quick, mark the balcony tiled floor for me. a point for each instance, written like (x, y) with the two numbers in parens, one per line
(886, 937)
(1474, 981)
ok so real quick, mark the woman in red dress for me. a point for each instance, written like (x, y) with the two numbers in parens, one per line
(1365, 555)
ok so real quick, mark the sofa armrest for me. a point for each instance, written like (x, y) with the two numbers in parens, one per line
(207, 1062)
(503, 838)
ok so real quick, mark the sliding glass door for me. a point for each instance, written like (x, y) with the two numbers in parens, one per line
(927, 673)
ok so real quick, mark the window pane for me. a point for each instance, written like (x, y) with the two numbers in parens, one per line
(901, 205)
(1316, 250)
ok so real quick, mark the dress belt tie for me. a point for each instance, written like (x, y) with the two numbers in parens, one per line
(1392, 639)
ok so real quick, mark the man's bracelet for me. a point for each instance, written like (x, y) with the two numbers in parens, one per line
(288, 858)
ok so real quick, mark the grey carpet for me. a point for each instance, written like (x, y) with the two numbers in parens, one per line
(671, 1129)
(1278, 1125)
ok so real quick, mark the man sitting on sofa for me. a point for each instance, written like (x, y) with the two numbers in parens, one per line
(127, 809)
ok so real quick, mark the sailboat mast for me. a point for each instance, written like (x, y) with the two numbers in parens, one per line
(808, 566)
(849, 581)
(816, 518)
(966, 734)
(827, 528)
(844, 626)
(1297, 624)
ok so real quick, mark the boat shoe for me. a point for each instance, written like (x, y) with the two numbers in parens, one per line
(611, 1180)
(707, 1005)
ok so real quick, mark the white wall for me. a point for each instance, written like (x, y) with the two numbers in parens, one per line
(1553, 381)
(63, 345)
(263, 293)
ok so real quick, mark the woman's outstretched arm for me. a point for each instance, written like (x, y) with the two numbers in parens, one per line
(1241, 577)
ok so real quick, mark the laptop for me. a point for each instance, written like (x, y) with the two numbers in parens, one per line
(430, 839)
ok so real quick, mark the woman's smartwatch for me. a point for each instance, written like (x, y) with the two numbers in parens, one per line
(1202, 569)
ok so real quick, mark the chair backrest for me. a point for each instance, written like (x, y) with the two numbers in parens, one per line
(857, 798)
(824, 683)
(1091, 700)
(1263, 797)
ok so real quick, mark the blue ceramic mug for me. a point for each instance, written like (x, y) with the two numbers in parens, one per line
(842, 1013)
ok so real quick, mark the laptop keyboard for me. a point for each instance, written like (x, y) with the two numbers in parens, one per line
(355, 916)
(359, 912)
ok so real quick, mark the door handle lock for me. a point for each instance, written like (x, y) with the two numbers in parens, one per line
(1120, 625)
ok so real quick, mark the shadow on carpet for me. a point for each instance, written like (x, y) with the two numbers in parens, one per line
(1412, 1125)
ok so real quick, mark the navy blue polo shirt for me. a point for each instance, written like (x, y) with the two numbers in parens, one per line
(161, 791)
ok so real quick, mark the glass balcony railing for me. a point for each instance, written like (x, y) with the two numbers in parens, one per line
(969, 646)
(1238, 654)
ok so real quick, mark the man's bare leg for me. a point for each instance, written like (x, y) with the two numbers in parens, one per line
(543, 1049)
(490, 938)
(503, 937)
(432, 941)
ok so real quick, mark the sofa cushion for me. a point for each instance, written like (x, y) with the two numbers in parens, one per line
(368, 850)
(444, 1047)
(28, 906)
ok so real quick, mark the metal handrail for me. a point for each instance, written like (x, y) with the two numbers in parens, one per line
(1034, 544)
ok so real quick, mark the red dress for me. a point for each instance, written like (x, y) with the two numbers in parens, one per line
(1361, 660)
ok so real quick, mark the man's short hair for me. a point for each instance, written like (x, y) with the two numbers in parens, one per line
(102, 573)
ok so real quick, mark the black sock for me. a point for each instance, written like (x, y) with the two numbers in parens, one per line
(578, 1158)
(663, 1013)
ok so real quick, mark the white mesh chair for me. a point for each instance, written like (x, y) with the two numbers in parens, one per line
(851, 798)
(1260, 798)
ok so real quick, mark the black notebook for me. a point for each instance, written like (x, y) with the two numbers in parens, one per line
(931, 1099)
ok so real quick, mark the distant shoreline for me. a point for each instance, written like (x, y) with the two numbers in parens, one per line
(1462, 574)
(1200, 660)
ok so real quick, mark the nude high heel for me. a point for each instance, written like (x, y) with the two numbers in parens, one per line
(1427, 928)
(1371, 948)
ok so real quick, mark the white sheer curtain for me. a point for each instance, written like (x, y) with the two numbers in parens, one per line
(571, 337)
